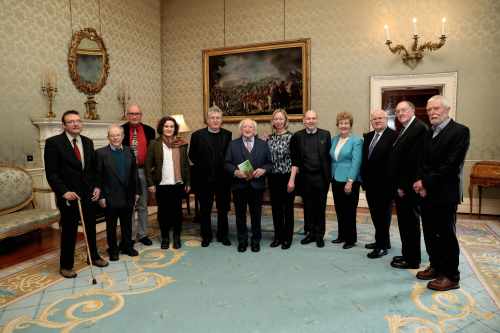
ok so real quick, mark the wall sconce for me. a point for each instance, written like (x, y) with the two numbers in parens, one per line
(412, 58)
(183, 127)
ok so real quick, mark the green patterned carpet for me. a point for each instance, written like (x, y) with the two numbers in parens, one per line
(217, 289)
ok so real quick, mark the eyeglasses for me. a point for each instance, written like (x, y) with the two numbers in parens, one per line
(73, 122)
(134, 113)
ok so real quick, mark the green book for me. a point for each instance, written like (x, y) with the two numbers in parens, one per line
(246, 167)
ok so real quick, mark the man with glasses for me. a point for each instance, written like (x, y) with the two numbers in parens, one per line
(405, 157)
(70, 170)
(137, 136)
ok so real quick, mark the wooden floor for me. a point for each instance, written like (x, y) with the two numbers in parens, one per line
(31, 245)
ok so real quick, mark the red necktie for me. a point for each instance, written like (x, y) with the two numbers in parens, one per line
(77, 151)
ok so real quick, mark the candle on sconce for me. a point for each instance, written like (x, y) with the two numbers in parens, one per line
(415, 32)
(443, 26)
(387, 35)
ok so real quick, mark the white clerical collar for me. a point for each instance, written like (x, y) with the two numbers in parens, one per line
(213, 131)
(313, 131)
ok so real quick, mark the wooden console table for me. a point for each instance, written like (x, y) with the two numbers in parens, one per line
(484, 174)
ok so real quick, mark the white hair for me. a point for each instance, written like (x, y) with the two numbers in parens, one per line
(115, 126)
(214, 109)
(254, 123)
(441, 99)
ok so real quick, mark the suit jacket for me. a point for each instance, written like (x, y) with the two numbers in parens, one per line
(149, 132)
(349, 161)
(118, 191)
(442, 163)
(64, 172)
(298, 147)
(202, 155)
(406, 156)
(153, 167)
(375, 173)
(260, 157)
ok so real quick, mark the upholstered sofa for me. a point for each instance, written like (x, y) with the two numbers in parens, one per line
(18, 211)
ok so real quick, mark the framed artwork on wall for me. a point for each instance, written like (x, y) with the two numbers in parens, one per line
(254, 80)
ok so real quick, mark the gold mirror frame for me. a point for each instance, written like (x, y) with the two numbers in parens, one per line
(86, 87)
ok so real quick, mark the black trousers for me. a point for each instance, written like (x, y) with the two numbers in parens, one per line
(253, 198)
(282, 207)
(380, 205)
(125, 216)
(169, 200)
(439, 227)
(345, 208)
(314, 193)
(70, 216)
(206, 196)
(408, 213)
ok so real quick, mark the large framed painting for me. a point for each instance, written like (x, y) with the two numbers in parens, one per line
(254, 80)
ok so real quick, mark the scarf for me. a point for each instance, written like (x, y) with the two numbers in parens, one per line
(174, 144)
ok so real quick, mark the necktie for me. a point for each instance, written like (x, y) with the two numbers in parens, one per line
(248, 145)
(399, 135)
(373, 144)
(133, 145)
(76, 151)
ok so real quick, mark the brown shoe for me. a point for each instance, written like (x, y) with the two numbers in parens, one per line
(100, 262)
(443, 284)
(427, 274)
(68, 273)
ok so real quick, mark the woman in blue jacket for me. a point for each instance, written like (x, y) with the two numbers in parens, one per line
(346, 162)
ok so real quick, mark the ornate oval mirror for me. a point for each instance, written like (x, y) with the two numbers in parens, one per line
(88, 63)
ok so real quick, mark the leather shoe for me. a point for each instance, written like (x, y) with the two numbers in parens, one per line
(165, 243)
(320, 243)
(285, 245)
(371, 246)
(308, 239)
(398, 258)
(113, 256)
(338, 241)
(255, 247)
(177, 243)
(403, 264)
(377, 253)
(443, 284)
(131, 252)
(348, 245)
(146, 241)
(68, 273)
(99, 262)
(275, 243)
(427, 274)
(225, 242)
(242, 247)
(205, 243)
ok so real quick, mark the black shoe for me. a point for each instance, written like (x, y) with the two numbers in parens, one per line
(371, 246)
(226, 242)
(165, 243)
(205, 243)
(308, 239)
(275, 243)
(146, 241)
(320, 242)
(348, 245)
(377, 253)
(113, 256)
(242, 247)
(338, 241)
(403, 264)
(177, 242)
(398, 258)
(255, 247)
(285, 245)
(131, 252)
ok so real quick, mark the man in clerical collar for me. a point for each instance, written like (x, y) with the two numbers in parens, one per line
(117, 170)
(311, 174)
(70, 170)
(207, 151)
(137, 136)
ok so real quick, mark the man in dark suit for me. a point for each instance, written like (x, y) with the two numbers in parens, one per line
(439, 187)
(70, 171)
(248, 182)
(405, 157)
(207, 152)
(137, 136)
(117, 171)
(377, 146)
(311, 174)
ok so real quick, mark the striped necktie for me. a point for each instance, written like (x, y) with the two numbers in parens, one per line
(133, 144)
(373, 143)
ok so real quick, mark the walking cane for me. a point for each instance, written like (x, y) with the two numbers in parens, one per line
(94, 281)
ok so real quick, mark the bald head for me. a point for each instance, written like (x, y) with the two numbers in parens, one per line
(310, 120)
(404, 112)
(378, 119)
(134, 114)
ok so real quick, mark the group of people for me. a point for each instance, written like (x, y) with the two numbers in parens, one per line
(417, 168)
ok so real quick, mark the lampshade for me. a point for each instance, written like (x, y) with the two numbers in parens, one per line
(183, 127)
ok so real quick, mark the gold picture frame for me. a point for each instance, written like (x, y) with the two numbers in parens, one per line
(254, 80)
